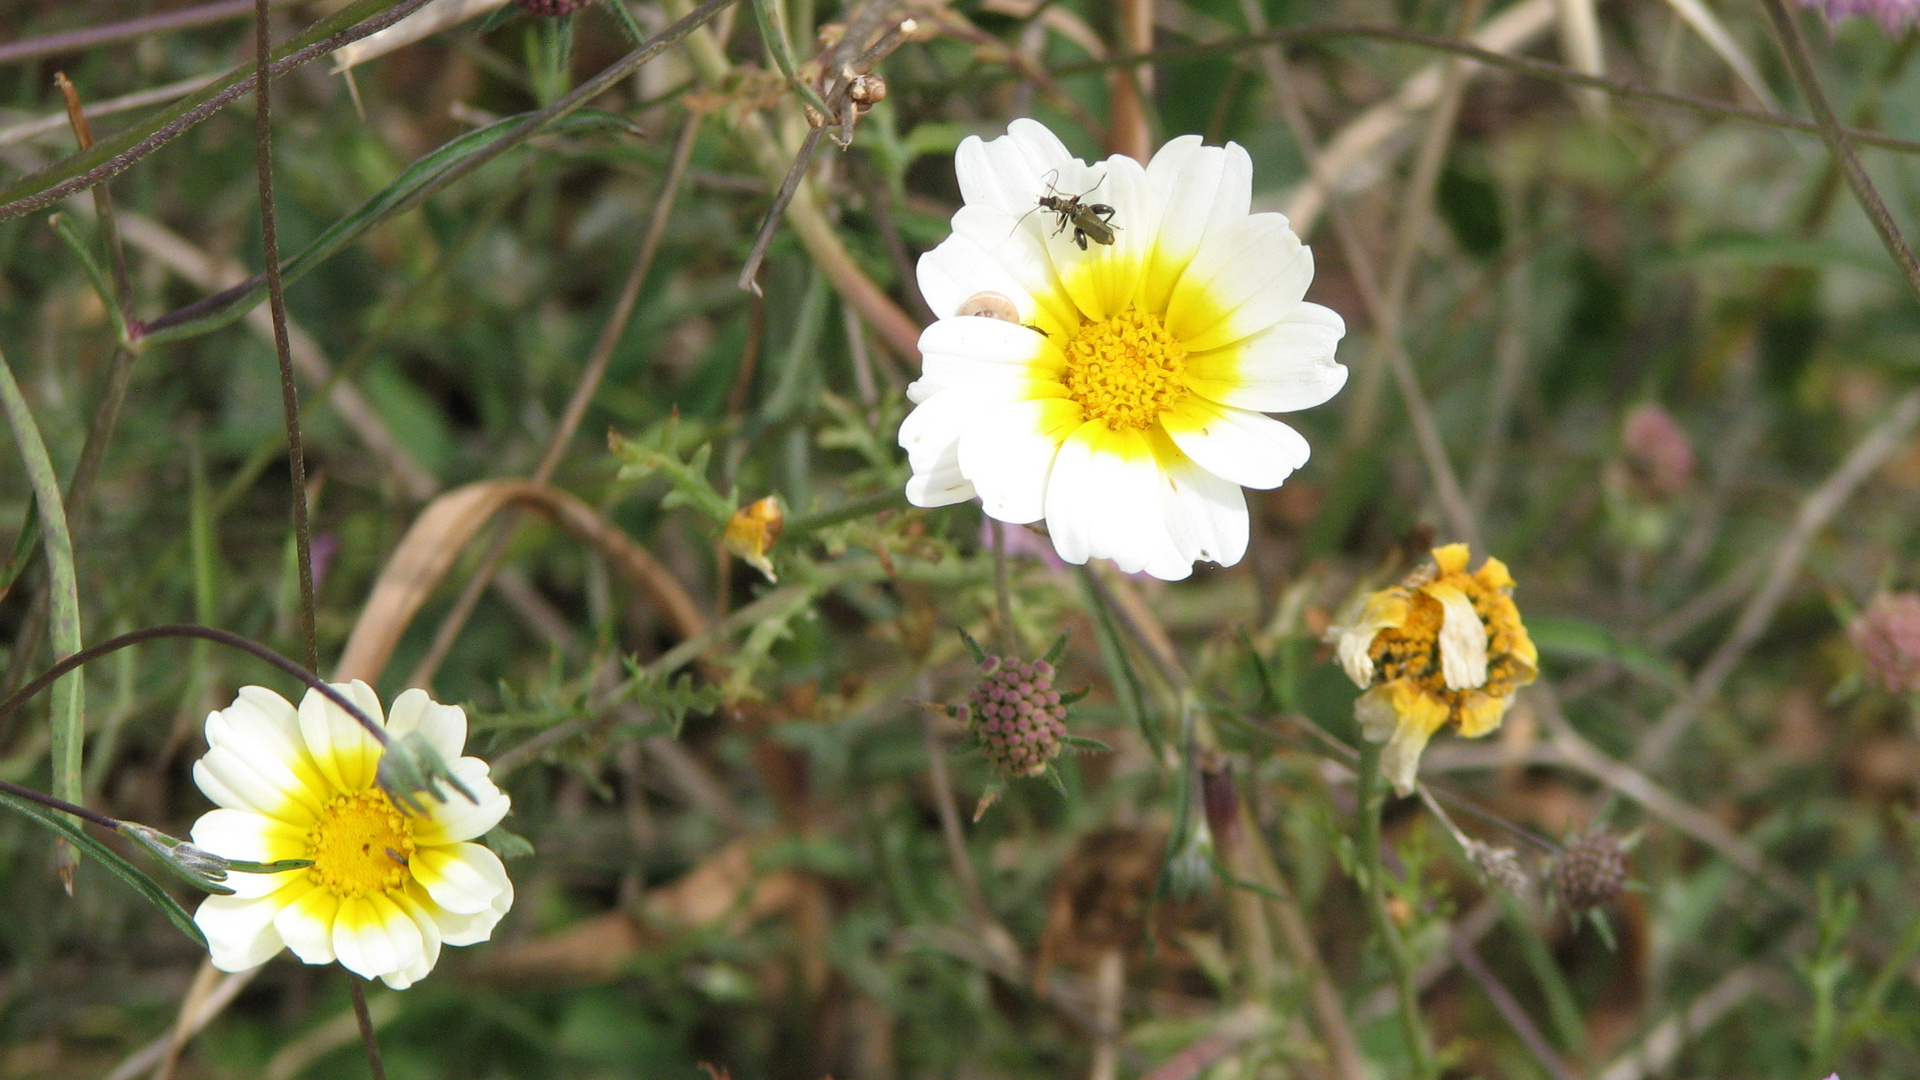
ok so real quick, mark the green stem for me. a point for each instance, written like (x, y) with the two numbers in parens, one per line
(1373, 881)
(69, 700)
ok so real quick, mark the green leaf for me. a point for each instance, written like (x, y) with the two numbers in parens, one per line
(1058, 650)
(111, 859)
(671, 698)
(658, 451)
(69, 693)
(979, 654)
(507, 844)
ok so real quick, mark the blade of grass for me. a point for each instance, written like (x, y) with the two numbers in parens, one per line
(68, 714)
(213, 312)
(78, 840)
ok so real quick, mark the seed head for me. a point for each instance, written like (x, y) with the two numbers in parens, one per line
(1590, 873)
(1887, 634)
(551, 8)
(1499, 865)
(1017, 715)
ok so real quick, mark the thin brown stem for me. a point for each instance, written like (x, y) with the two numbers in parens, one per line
(194, 116)
(1002, 587)
(102, 198)
(365, 1020)
(950, 828)
(1384, 314)
(576, 409)
(1509, 1008)
(93, 37)
(1800, 61)
(277, 301)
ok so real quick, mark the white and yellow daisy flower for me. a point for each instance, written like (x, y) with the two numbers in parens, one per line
(1116, 390)
(386, 889)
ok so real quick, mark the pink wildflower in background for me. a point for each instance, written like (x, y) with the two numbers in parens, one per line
(1894, 15)
(1887, 634)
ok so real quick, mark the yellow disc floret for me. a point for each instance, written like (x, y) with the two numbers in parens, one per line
(360, 845)
(1126, 370)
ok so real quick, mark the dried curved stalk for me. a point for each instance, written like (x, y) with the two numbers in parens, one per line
(445, 528)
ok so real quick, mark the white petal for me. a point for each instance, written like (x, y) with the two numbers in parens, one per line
(1206, 515)
(242, 735)
(457, 819)
(429, 939)
(241, 834)
(959, 267)
(1199, 190)
(931, 432)
(1400, 758)
(461, 878)
(468, 929)
(232, 781)
(239, 931)
(1248, 448)
(1241, 281)
(306, 925)
(1463, 639)
(1008, 173)
(1103, 499)
(1008, 455)
(1104, 280)
(1021, 254)
(373, 937)
(445, 726)
(1287, 366)
(988, 358)
(346, 754)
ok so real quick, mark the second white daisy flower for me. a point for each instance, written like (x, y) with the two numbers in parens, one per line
(1119, 391)
(386, 890)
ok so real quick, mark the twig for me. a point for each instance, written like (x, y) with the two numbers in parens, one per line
(1385, 316)
(277, 304)
(192, 118)
(576, 409)
(206, 633)
(191, 1019)
(137, 100)
(1002, 586)
(52, 803)
(1819, 507)
(1128, 88)
(102, 199)
(1509, 1009)
(1410, 233)
(1540, 69)
(836, 102)
(92, 37)
(951, 830)
(365, 1020)
(1799, 61)
(1656, 1052)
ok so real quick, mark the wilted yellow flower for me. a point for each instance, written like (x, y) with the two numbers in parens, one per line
(753, 531)
(1443, 645)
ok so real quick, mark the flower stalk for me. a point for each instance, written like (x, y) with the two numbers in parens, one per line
(1373, 882)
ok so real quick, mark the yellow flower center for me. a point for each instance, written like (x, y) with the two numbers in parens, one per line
(1412, 650)
(360, 845)
(1126, 370)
